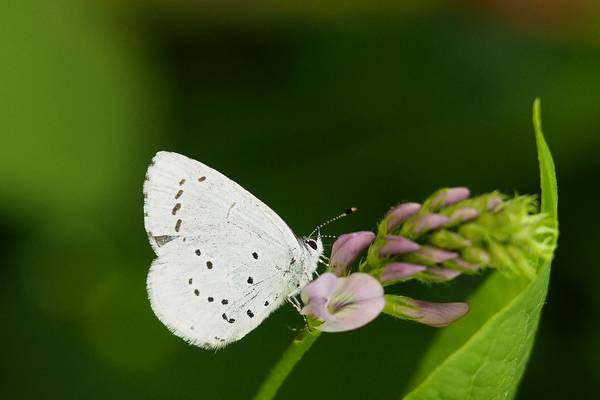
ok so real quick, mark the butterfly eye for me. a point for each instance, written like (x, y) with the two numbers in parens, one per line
(312, 244)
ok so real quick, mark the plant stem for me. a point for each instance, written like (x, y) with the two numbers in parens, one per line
(286, 364)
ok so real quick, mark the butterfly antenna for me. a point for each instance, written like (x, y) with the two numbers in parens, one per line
(329, 236)
(349, 211)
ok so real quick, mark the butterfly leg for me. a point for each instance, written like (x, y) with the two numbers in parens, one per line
(295, 303)
(324, 261)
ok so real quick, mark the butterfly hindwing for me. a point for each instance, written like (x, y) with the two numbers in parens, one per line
(212, 300)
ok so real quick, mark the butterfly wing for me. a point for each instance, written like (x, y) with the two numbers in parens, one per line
(183, 198)
(225, 259)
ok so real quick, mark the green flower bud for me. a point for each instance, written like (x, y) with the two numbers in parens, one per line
(449, 240)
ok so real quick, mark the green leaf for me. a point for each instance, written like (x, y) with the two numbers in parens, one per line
(484, 355)
(547, 170)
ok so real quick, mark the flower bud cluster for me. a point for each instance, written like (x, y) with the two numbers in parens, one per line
(448, 235)
(452, 234)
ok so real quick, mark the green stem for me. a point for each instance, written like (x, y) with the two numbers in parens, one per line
(285, 365)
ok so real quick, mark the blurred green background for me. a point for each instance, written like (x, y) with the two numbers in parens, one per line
(311, 106)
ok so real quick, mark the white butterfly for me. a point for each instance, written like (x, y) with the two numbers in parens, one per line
(225, 259)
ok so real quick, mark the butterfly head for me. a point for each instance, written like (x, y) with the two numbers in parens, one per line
(314, 246)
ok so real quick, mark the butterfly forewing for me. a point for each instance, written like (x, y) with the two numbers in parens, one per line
(225, 259)
(184, 197)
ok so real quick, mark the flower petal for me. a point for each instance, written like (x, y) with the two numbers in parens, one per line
(436, 314)
(359, 286)
(429, 222)
(354, 316)
(347, 247)
(463, 214)
(317, 308)
(397, 271)
(432, 314)
(320, 288)
(401, 213)
(433, 255)
(494, 202)
(396, 245)
(354, 302)
(450, 196)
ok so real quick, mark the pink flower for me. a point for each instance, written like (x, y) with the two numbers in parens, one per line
(345, 303)
(401, 213)
(436, 314)
(494, 202)
(346, 249)
(433, 255)
(397, 245)
(399, 271)
(463, 215)
(433, 314)
(450, 196)
(429, 222)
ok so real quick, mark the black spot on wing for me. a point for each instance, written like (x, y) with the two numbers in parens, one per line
(163, 239)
